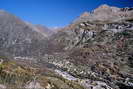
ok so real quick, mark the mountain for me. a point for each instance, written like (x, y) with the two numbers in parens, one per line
(85, 14)
(96, 21)
(100, 42)
(18, 38)
(44, 29)
(95, 51)
(106, 13)
(37, 29)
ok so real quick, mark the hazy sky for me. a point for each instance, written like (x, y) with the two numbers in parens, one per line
(54, 13)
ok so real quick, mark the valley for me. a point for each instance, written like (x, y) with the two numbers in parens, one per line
(95, 51)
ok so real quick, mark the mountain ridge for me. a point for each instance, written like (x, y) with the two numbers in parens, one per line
(94, 52)
(17, 36)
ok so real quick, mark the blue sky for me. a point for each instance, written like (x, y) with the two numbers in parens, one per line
(55, 13)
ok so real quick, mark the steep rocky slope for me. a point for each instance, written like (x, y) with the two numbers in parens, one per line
(98, 44)
(18, 38)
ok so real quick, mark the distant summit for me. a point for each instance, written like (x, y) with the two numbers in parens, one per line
(106, 8)
(85, 14)
(106, 13)
(44, 29)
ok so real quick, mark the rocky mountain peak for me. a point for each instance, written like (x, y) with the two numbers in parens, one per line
(85, 14)
(107, 13)
(105, 6)
(103, 13)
